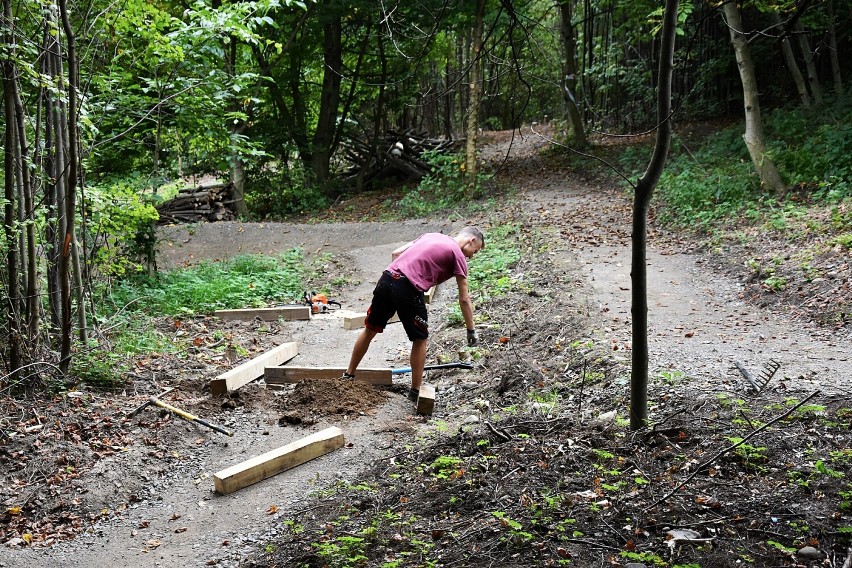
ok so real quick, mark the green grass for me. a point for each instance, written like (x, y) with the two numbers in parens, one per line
(490, 275)
(129, 311)
(242, 282)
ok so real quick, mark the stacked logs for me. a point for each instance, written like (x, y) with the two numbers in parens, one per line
(397, 155)
(202, 203)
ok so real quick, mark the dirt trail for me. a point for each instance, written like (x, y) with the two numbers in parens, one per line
(699, 325)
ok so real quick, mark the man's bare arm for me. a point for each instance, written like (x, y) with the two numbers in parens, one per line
(465, 303)
(400, 250)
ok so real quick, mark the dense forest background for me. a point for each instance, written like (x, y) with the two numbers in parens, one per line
(112, 107)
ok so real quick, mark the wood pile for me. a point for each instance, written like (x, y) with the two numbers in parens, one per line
(202, 203)
(396, 155)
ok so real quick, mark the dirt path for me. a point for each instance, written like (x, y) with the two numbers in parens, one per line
(699, 325)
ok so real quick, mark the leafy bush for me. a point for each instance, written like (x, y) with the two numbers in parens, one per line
(120, 228)
(447, 186)
(820, 160)
(278, 190)
(717, 180)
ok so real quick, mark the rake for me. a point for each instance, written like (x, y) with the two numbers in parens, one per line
(759, 383)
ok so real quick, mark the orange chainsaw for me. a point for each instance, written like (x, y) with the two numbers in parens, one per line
(319, 303)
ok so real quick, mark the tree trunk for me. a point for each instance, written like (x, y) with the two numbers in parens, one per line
(472, 128)
(642, 200)
(324, 135)
(569, 73)
(70, 192)
(792, 65)
(810, 65)
(10, 308)
(832, 48)
(753, 136)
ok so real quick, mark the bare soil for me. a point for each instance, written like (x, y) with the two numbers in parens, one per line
(82, 484)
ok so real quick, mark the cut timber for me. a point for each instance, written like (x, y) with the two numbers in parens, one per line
(283, 375)
(280, 459)
(252, 369)
(357, 321)
(288, 313)
(426, 400)
(429, 294)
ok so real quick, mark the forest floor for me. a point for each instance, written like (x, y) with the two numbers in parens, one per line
(526, 459)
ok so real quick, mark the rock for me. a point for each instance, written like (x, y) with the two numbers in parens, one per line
(291, 417)
(809, 553)
(635, 565)
(682, 535)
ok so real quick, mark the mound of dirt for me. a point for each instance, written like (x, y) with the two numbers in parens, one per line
(313, 399)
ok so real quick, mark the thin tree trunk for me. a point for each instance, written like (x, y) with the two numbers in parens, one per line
(326, 128)
(753, 136)
(9, 158)
(832, 46)
(475, 96)
(70, 195)
(569, 73)
(642, 200)
(810, 65)
(792, 65)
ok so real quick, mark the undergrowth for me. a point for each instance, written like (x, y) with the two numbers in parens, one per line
(714, 183)
(242, 282)
(129, 310)
(446, 187)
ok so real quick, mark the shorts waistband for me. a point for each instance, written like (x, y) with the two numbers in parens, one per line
(396, 275)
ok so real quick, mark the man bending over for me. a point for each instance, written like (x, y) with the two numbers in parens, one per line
(427, 261)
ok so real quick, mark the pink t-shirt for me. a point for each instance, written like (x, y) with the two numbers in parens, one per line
(431, 259)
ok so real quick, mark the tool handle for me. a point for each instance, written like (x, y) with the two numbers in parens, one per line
(214, 427)
(189, 417)
(456, 365)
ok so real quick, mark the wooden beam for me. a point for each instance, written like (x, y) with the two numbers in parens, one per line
(288, 313)
(275, 461)
(426, 400)
(429, 294)
(357, 321)
(283, 375)
(252, 369)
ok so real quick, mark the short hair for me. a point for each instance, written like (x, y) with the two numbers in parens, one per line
(471, 231)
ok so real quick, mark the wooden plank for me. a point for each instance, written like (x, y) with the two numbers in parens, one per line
(429, 294)
(275, 461)
(288, 313)
(426, 400)
(252, 369)
(283, 375)
(357, 321)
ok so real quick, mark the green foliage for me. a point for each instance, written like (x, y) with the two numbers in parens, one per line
(446, 187)
(99, 369)
(244, 281)
(812, 148)
(489, 274)
(777, 545)
(750, 455)
(120, 228)
(277, 189)
(344, 551)
(645, 557)
(446, 467)
(715, 181)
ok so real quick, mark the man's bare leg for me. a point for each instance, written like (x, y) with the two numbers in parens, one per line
(362, 344)
(418, 361)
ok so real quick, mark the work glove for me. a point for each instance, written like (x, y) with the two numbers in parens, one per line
(472, 338)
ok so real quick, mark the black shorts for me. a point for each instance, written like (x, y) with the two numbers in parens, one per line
(394, 294)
